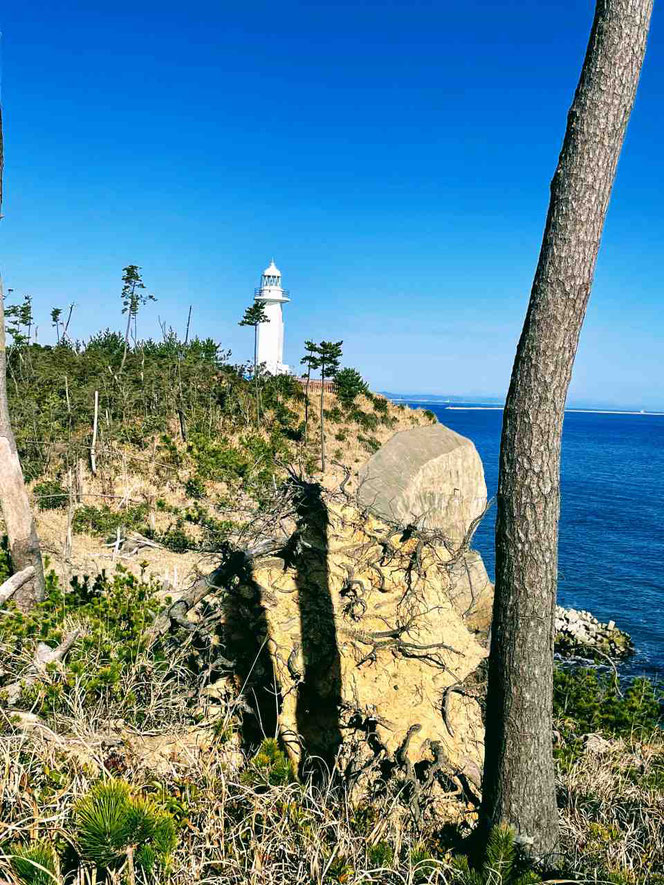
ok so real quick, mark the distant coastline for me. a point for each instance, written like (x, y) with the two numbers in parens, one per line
(578, 411)
(468, 405)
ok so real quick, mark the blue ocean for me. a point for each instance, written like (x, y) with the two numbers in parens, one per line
(611, 557)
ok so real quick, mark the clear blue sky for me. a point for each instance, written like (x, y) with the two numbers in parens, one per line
(393, 157)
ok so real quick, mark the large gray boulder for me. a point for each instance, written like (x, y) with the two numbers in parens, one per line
(430, 477)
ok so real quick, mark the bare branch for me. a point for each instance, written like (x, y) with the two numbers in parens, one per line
(11, 585)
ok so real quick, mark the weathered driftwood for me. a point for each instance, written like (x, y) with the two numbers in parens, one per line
(11, 585)
(44, 655)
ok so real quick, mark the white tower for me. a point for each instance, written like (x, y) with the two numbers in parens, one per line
(270, 335)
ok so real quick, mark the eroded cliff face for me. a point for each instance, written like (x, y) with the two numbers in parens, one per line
(371, 621)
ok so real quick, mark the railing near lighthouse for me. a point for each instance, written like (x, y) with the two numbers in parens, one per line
(284, 293)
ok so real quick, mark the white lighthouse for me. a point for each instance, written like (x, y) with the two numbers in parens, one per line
(270, 335)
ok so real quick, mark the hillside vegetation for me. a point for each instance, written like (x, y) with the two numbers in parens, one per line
(189, 449)
(136, 755)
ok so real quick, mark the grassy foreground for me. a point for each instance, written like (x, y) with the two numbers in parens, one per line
(209, 808)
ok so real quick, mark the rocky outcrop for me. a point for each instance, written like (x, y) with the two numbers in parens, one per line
(429, 477)
(580, 634)
(432, 478)
(367, 630)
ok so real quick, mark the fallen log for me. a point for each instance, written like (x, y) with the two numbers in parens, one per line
(177, 610)
(11, 585)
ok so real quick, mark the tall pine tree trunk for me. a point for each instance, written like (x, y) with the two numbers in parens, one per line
(519, 784)
(255, 379)
(322, 418)
(126, 344)
(306, 405)
(19, 522)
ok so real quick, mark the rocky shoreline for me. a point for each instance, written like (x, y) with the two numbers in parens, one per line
(580, 634)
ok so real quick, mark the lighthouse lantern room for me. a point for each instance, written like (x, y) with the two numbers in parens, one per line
(270, 335)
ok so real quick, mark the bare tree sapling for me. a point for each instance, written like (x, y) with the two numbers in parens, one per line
(329, 354)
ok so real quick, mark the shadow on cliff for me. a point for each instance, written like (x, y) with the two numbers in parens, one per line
(246, 635)
(247, 656)
(319, 691)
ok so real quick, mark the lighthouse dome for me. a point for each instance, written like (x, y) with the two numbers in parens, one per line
(272, 270)
(271, 275)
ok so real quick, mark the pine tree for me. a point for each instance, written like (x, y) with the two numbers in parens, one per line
(329, 355)
(254, 315)
(56, 314)
(349, 384)
(519, 782)
(133, 296)
(312, 362)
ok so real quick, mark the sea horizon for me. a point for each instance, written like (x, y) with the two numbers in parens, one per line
(488, 403)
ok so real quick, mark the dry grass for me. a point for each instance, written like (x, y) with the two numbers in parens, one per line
(234, 827)
(613, 811)
(238, 820)
(240, 823)
(298, 834)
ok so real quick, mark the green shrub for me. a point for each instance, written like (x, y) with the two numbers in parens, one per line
(104, 522)
(285, 418)
(53, 398)
(263, 456)
(35, 864)
(339, 871)
(270, 766)
(381, 854)
(112, 612)
(369, 442)
(215, 529)
(348, 385)
(334, 415)
(5, 560)
(590, 702)
(422, 863)
(51, 495)
(175, 538)
(277, 388)
(366, 420)
(195, 487)
(502, 864)
(653, 779)
(111, 822)
(168, 452)
(380, 404)
(217, 460)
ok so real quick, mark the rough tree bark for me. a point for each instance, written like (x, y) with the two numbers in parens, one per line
(306, 404)
(519, 787)
(19, 522)
(322, 418)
